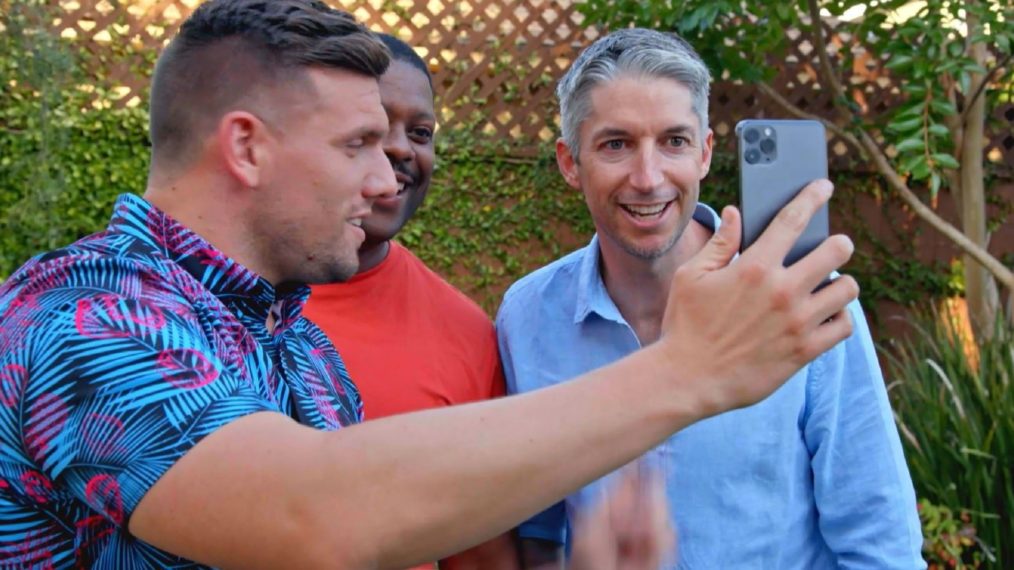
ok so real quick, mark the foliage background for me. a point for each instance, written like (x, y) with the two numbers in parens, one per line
(68, 146)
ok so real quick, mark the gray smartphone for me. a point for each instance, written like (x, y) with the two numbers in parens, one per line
(777, 158)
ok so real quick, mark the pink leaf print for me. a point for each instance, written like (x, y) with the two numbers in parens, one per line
(46, 418)
(107, 316)
(103, 493)
(102, 433)
(37, 486)
(186, 368)
(13, 379)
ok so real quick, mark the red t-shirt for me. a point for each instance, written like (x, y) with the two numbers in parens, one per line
(410, 340)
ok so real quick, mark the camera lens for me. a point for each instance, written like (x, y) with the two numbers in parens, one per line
(751, 136)
(767, 146)
(751, 156)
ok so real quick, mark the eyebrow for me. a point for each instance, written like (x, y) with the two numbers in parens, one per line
(370, 133)
(424, 116)
(609, 132)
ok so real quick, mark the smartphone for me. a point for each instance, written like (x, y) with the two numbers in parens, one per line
(777, 158)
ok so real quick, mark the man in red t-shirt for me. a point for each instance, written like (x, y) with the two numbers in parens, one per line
(409, 339)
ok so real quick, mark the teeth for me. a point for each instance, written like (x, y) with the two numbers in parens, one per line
(358, 222)
(401, 187)
(649, 210)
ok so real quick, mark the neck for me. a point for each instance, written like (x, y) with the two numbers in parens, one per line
(372, 254)
(198, 202)
(640, 287)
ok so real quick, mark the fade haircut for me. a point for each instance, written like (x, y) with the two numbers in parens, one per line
(232, 53)
(401, 51)
(634, 52)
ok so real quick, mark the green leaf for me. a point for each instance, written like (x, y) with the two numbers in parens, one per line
(913, 110)
(1003, 43)
(938, 130)
(905, 126)
(921, 169)
(910, 144)
(945, 160)
(898, 61)
(943, 107)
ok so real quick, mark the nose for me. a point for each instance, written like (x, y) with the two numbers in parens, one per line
(396, 144)
(380, 183)
(646, 171)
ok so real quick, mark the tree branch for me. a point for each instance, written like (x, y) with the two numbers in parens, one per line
(869, 148)
(982, 86)
(1002, 273)
(835, 87)
(795, 111)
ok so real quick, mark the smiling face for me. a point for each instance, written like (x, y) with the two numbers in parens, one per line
(328, 167)
(408, 101)
(642, 157)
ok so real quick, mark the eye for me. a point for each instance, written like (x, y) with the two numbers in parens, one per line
(678, 141)
(421, 134)
(356, 143)
(614, 144)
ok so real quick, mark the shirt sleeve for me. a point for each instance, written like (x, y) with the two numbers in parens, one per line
(116, 389)
(552, 524)
(862, 487)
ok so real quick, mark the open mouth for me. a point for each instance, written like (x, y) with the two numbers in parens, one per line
(646, 211)
(404, 182)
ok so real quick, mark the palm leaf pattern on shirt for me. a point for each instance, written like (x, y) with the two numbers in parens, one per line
(120, 353)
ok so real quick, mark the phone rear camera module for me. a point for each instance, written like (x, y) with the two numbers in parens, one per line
(751, 135)
(767, 146)
(752, 156)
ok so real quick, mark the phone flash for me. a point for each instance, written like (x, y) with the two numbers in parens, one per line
(767, 131)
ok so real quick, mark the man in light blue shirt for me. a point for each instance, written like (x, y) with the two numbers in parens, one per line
(811, 477)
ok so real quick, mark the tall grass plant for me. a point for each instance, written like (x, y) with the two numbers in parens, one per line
(955, 408)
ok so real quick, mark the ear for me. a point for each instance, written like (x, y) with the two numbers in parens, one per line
(243, 142)
(706, 148)
(568, 166)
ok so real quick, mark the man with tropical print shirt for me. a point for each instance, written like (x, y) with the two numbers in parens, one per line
(163, 403)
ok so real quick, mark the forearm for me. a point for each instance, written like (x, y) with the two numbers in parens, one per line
(495, 463)
(265, 492)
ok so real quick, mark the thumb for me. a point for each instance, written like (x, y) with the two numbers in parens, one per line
(723, 245)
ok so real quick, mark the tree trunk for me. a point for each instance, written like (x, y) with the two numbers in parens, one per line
(980, 288)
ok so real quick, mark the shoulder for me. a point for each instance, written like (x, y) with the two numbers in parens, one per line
(438, 291)
(546, 282)
(91, 266)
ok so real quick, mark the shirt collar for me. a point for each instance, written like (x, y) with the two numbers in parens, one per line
(592, 295)
(223, 276)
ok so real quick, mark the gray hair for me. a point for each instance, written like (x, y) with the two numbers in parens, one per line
(635, 51)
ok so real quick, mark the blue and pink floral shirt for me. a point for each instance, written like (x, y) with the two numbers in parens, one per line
(117, 355)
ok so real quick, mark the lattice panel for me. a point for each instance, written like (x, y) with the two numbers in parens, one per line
(496, 62)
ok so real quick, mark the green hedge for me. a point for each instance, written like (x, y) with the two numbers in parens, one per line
(67, 149)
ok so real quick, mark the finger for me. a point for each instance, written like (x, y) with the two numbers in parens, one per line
(783, 231)
(831, 300)
(723, 245)
(835, 329)
(814, 268)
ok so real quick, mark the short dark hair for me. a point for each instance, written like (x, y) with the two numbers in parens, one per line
(232, 51)
(401, 51)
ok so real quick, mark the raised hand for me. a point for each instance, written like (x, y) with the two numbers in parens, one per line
(745, 325)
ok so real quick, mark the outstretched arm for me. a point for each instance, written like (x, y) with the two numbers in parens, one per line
(266, 492)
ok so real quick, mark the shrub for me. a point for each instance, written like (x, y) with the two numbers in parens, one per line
(955, 408)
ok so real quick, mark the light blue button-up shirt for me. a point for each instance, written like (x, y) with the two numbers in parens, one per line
(812, 477)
